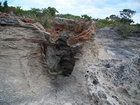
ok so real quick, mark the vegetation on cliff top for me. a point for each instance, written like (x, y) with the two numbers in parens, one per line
(122, 22)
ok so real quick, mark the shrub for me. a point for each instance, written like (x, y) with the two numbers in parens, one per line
(69, 16)
(102, 23)
(125, 30)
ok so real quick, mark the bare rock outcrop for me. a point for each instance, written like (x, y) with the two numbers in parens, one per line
(27, 20)
(66, 43)
(33, 64)
(66, 64)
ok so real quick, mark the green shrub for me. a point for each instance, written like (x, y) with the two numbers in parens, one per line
(69, 16)
(102, 23)
(85, 16)
(125, 30)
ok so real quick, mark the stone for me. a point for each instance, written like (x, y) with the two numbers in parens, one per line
(52, 32)
(59, 26)
(84, 35)
(82, 30)
(41, 68)
(8, 20)
(79, 27)
(3, 14)
(27, 20)
(101, 94)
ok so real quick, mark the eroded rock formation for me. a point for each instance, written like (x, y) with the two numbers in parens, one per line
(34, 63)
(66, 36)
(27, 20)
(66, 65)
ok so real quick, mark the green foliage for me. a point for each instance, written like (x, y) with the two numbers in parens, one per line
(0, 6)
(69, 16)
(39, 15)
(44, 16)
(74, 17)
(47, 23)
(125, 30)
(35, 11)
(55, 68)
(103, 22)
(18, 11)
(86, 17)
(114, 18)
(122, 23)
(4, 7)
(126, 15)
(52, 11)
(137, 25)
(126, 20)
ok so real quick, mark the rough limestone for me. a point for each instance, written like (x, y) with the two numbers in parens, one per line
(67, 68)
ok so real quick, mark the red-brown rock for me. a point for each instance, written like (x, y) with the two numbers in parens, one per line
(4, 14)
(84, 35)
(79, 27)
(52, 32)
(27, 20)
(78, 31)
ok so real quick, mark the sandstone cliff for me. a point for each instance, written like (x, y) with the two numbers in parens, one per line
(55, 66)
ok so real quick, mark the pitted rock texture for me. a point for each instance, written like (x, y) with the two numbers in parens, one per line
(27, 52)
(60, 56)
(102, 69)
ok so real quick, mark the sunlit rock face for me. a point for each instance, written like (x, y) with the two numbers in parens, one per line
(66, 64)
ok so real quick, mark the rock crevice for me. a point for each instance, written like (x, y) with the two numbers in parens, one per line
(66, 64)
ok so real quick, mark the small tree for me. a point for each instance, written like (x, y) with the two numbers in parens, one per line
(126, 20)
(0, 6)
(52, 11)
(114, 18)
(126, 15)
(5, 4)
(107, 18)
(35, 12)
(18, 11)
(4, 7)
(86, 17)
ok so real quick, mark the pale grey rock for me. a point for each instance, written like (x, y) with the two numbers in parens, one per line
(8, 20)
(106, 71)
(24, 75)
(20, 65)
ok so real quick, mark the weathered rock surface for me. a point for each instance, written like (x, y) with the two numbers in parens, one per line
(37, 68)
(118, 74)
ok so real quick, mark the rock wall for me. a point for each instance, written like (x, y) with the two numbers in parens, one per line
(66, 68)
(21, 71)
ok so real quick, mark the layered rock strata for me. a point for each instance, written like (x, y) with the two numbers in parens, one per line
(66, 64)
(34, 63)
